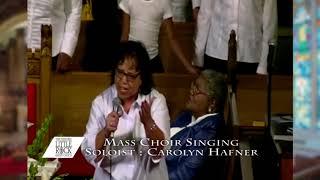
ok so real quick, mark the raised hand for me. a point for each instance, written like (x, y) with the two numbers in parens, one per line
(145, 113)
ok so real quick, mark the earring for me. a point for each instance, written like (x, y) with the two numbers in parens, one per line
(209, 110)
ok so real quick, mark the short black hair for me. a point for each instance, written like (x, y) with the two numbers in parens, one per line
(136, 51)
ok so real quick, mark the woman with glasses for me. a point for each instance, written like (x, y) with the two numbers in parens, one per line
(126, 119)
(203, 121)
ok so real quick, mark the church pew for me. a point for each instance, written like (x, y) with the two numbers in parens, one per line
(72, 94)
(252, 98)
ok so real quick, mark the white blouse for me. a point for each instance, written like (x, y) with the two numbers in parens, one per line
(130, 166)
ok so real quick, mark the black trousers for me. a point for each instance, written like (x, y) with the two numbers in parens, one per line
(220, 65)
(156, 65)
(54, 62)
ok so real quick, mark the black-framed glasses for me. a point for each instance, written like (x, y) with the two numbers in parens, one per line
(195, 90)
(130, 76)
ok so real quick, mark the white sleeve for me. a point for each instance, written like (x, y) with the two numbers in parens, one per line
(160, 114)
(195, 3)
(269, 30)
(203, 28)
(95, 123)
(124, 6)
(73, 14)
(167, 9)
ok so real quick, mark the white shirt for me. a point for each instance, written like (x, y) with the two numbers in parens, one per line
(146, 17)
(130, 128)
(65, 18)
(255, 23)
(193, 122)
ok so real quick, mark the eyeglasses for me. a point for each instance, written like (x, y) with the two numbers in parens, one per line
(130, 77)
(195, 90)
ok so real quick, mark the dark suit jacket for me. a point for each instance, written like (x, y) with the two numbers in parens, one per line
(195, 167)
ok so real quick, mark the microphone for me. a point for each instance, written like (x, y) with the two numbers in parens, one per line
(116, 107)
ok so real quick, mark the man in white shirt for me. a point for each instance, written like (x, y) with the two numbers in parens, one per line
(141, 22)
(255, 24)
(65, 17)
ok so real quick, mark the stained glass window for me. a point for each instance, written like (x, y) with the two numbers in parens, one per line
(318, 64)
(302, 53)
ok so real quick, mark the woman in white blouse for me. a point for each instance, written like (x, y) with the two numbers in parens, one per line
(132, 113)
